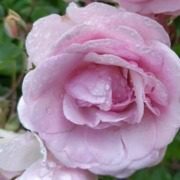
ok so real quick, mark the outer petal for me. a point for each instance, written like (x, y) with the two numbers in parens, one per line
(52, 74)
(16, 149)
(107, 46)
(50, 171)
(132, 143)
(151, 6)
(143, 25)
(24, 113)
(43, 92)
(44, 35)
(140, 139)
(167, 69)
(153, 158)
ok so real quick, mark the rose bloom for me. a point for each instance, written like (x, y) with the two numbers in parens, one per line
(104, 94)
(171, 7)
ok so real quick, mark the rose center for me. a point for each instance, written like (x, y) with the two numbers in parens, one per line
(104, 87)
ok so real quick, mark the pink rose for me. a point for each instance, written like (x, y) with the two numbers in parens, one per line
(104, 95)
(171, 7)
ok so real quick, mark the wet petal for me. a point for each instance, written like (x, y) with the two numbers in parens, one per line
(143, 25)
(16, 149)
(51, 171)
(44, 35)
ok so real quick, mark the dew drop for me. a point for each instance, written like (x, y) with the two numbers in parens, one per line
(107, 87)
(147, 22)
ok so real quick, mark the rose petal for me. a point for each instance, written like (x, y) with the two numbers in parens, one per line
(143, 25)
(41, 100)
(151, 159)
(139, 93)
(49, 170)
(140, 139)
(44, 35)
(105, 46)
(84, 86)
(151, 6)
(17, 150)
(77, 115)
(24, 113)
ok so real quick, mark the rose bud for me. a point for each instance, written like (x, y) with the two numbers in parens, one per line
(14, 25)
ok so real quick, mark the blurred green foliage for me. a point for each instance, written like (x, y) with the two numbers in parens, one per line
(12, 69)
(13, 55)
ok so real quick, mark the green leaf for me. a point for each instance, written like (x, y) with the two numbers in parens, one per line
(173, 150)
(3, 90)
(106, 178)
(156, 173)
(9, 56)
(40, 11)
(13, 123)
(177, 176)
(1, 11)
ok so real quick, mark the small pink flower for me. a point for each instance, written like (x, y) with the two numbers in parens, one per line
(147, 7)
(104, 95)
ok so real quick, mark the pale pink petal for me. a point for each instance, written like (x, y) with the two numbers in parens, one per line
(139, 139)
(24, 114)
(152, 88)
(89, 155)
(114, 118)
(166, 69)
(143, 25)
(151, 159)
(76, 114)
(93, 117)
(51, 171)
(104, 10)
(151, 6)
(43, 94)
(167, 127)
(105, 46)
(106, 139)
(138, 87)
(77, 35)
(16, 149)
(64, 144)
(93, 85)
(36, 82)
(167, 64)
(44, 36)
